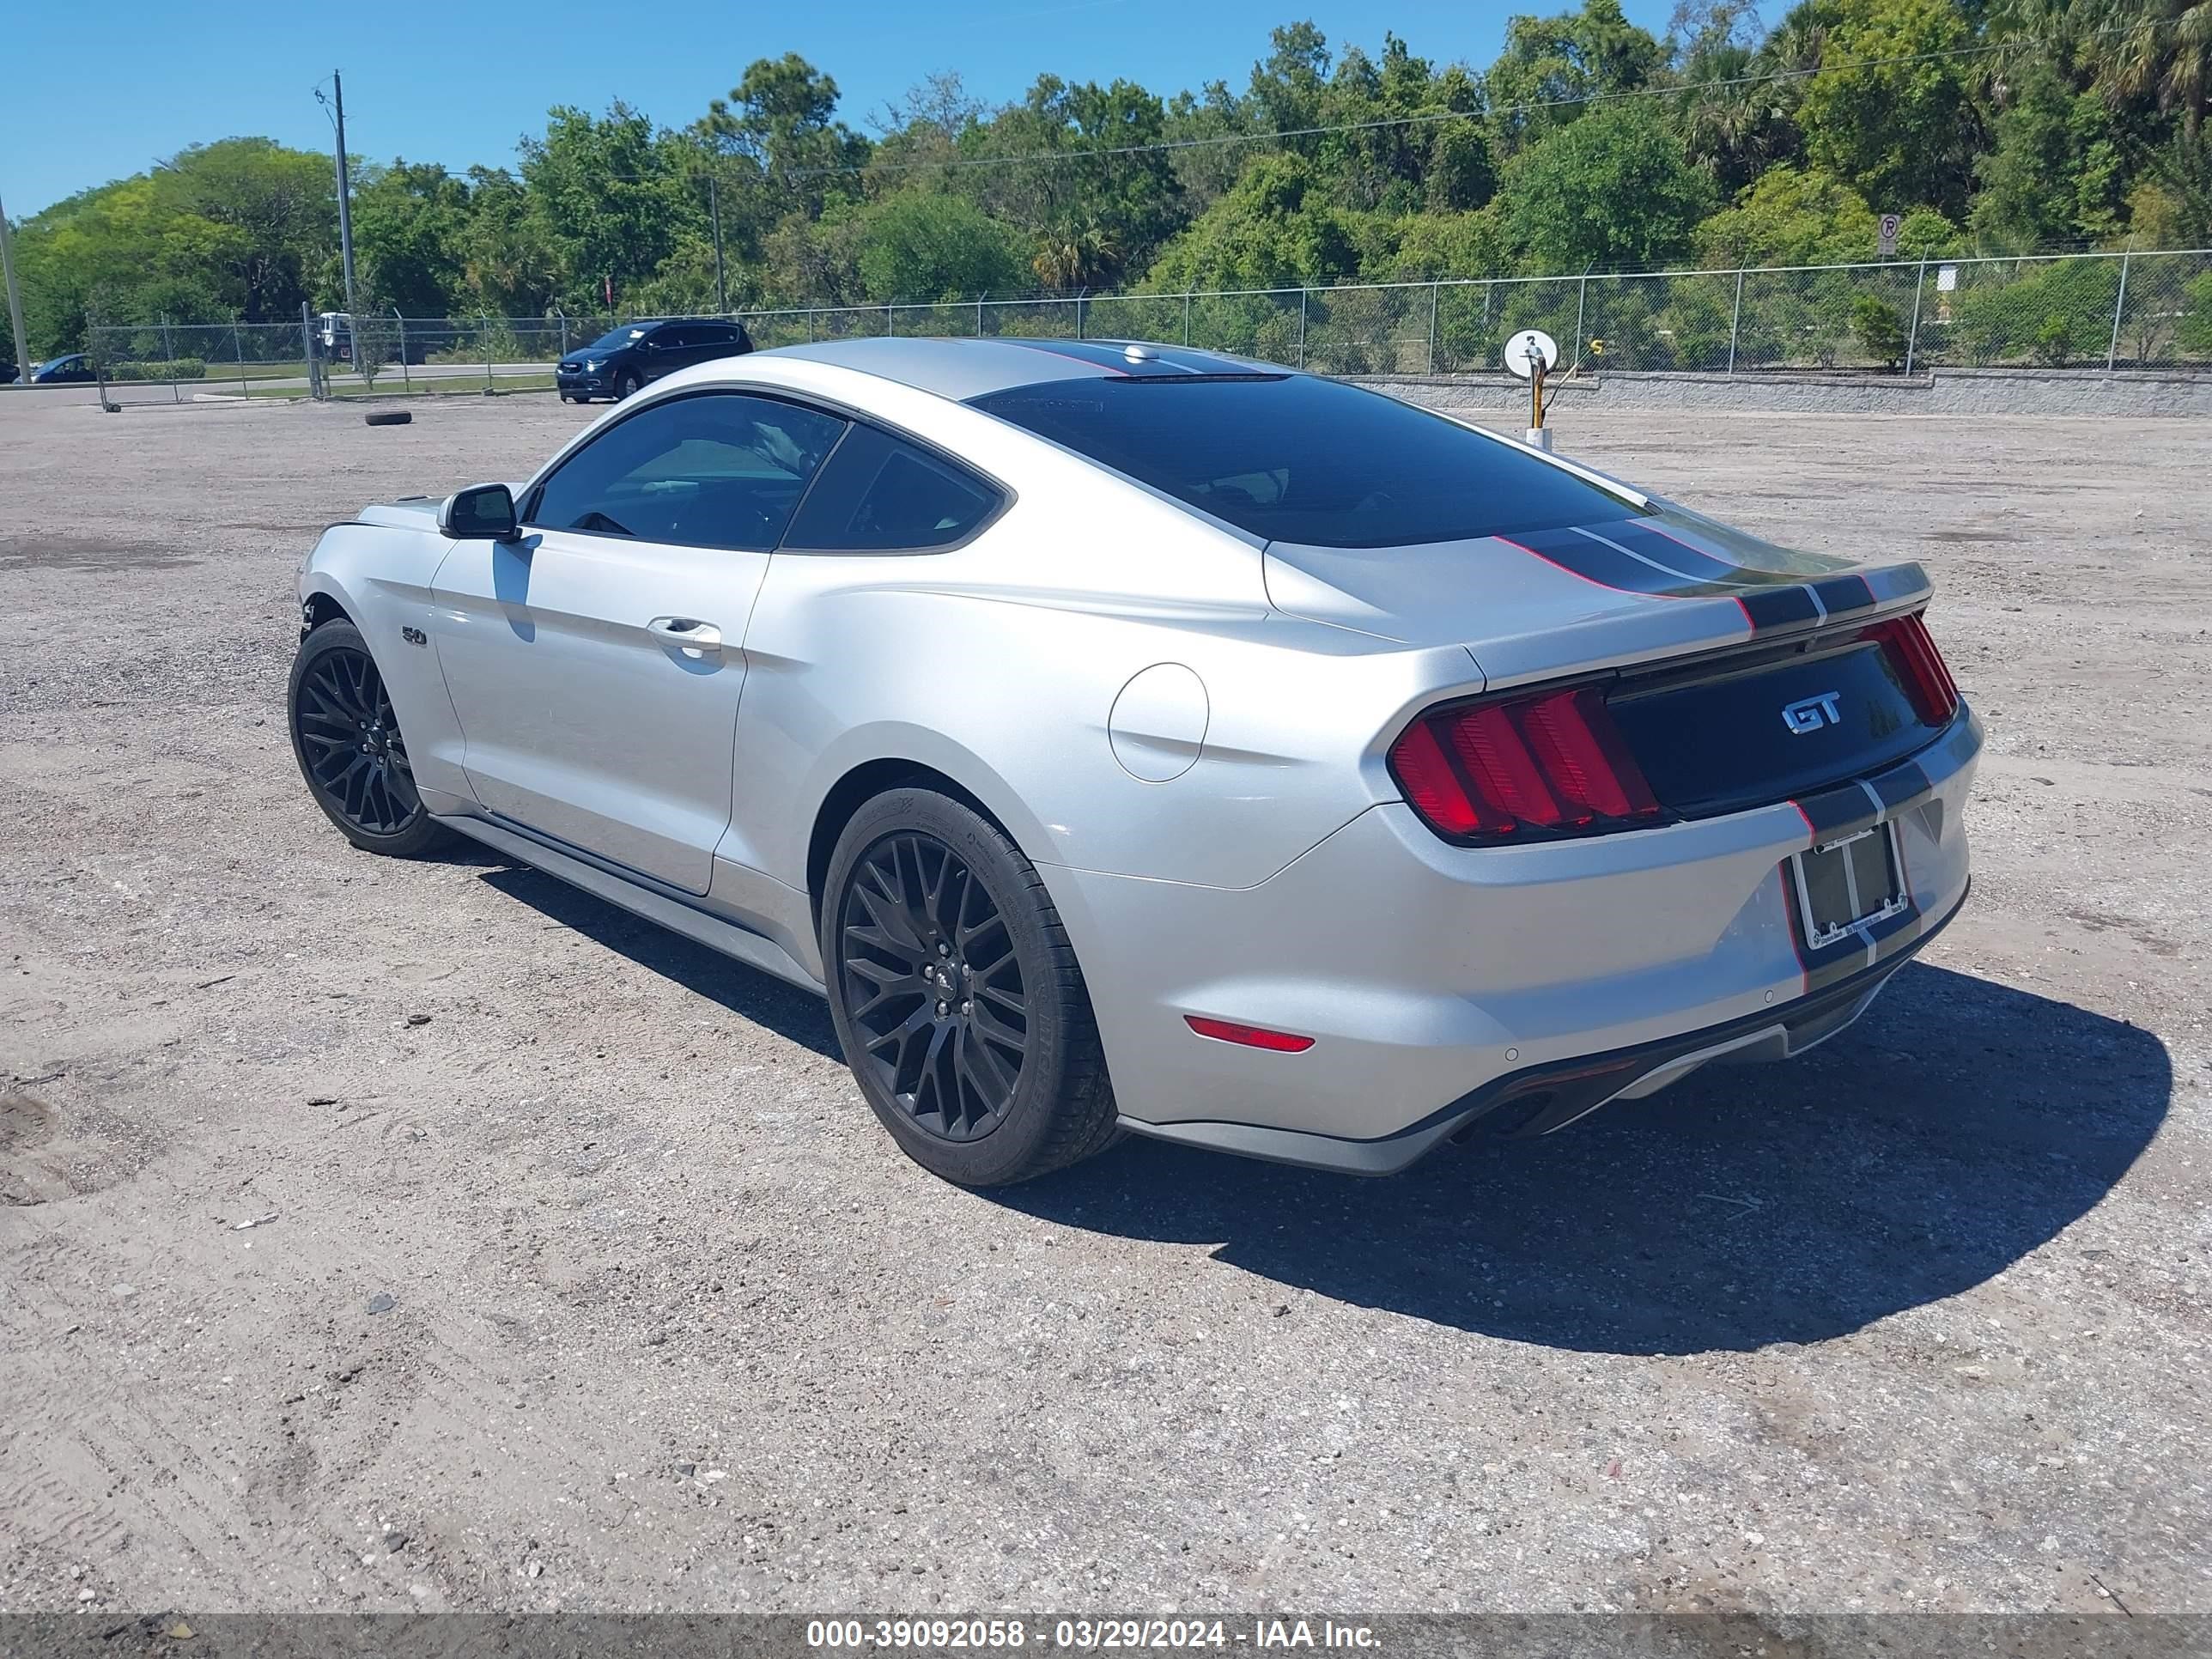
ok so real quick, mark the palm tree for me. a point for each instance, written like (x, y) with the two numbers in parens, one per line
(1732, 118)
(2156, 48)
(1078, 254)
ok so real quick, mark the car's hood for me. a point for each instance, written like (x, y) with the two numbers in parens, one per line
(410, 512)
(1558, 601)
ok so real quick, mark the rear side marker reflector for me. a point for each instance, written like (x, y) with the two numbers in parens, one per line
(1251, 1036)
(1528, 768)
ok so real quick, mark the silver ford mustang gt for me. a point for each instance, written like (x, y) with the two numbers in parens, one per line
(1131, 738)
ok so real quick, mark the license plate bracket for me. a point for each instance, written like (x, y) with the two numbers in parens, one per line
(1849, 883)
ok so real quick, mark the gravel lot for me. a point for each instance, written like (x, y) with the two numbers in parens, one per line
(1920, 1322)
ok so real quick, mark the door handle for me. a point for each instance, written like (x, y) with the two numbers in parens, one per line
(686, 633)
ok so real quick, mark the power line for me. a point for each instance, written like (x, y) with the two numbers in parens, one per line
(1431, 118)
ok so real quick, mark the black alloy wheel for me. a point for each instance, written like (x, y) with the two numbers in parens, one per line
(627, 386)
(934, 987)
(955, 993)
(350, 748)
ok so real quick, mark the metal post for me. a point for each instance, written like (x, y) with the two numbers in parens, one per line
(1735, 323)
(1304, 294)
(99, 364)
(169, 350)
(715, 212)
(2119, 308)
(406, 380)
(1912, 339)
(16, 303)
(564, 316)
(486, 321)
(1078, 314)
(1186, 317)
(346, 193)
(1582, 299)
(979, 318)
(887, 319)
(307, 350)
(238, 344)
(1435, 288)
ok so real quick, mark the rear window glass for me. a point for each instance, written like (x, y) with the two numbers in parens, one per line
(1308, 461)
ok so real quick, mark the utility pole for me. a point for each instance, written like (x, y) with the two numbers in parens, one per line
(715, 212)
(345, 193)
(15, 300)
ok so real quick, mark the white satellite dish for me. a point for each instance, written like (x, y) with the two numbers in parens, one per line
(1525, 349)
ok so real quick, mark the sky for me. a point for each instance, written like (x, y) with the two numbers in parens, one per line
(97, 91)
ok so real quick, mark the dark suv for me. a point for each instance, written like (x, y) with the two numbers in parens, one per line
(618, 363)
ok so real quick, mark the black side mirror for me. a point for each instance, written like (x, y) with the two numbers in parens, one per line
(480, 513)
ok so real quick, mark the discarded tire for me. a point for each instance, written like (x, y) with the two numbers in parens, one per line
(389, 418)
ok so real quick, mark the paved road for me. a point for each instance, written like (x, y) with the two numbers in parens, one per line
(390, 381)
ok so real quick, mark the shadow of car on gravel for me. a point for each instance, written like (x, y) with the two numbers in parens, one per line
(795, 1015)
(1957, 1127)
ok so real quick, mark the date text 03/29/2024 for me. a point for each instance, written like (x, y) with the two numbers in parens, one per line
(1085, 1635)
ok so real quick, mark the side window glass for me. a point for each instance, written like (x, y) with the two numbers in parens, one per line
(879, 494)
(724, 469)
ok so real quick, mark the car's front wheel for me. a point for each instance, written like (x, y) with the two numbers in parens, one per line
(628, 384)
(956, 996)
(349, 747)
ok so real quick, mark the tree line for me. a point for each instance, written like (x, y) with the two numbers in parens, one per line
(1590, 144)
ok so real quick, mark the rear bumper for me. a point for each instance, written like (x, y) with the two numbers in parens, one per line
(1539, 1099)
(1450, 988)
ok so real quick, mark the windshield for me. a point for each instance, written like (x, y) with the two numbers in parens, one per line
(1296, 458)
(615, 339)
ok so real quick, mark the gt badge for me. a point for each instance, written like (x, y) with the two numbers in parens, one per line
(1811, 713)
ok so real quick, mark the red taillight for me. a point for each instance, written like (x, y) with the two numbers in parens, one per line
(1935, 695)
(1550, 763)
(1252, 1036)
(1431, 784)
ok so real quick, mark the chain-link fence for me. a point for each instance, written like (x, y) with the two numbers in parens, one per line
(2113, 311)
(331, 356)
(2102, 311)
(168, 361)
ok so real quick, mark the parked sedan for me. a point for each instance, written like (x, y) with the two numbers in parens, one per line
(1138, 738)
(618, 363)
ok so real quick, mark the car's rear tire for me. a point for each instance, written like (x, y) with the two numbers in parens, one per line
(628, 384)
(992, 1073)
(349, 745)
